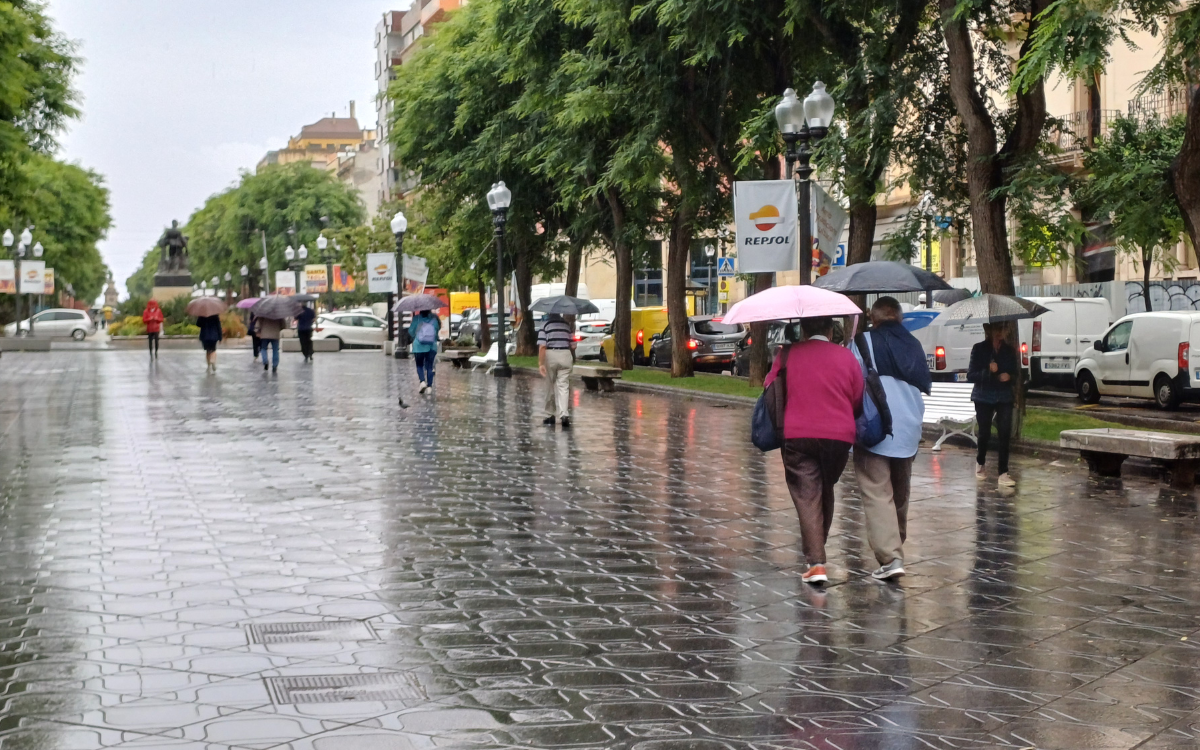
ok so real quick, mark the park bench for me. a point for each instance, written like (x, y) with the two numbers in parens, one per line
(1106, 449)
(949, 407)
(486, 360)
(457, 357)
(597, 377)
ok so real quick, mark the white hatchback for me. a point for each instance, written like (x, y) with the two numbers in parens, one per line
(54, 324)
(351, 329)
(588, 335)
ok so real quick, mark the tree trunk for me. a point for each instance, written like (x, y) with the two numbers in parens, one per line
(1146, 264)
(485, 331)
(678, 253)
(1185, 172)
(526, 335)
(863, 216)
(758, 336)
(623, 255)
(574, 261)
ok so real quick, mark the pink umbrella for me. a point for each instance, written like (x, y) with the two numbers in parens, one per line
(247, 302)
(791, 303)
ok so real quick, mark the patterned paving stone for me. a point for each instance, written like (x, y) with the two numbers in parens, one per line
(632, 583)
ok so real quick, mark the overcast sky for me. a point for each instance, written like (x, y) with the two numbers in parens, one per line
(180, 95)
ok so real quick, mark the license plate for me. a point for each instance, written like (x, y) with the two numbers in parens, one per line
(960, 377)
(929, 361)
(724, 347)
(1061, 365)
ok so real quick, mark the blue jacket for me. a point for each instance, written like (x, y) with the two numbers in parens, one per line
(210, 328)
(988, 387)
(304, 321)
(417, 346)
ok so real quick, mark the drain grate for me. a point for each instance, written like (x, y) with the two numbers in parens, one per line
(341, 688)
(304, 632)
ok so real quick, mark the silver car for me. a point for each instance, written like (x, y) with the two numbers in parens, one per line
(56, 323)
(588, 335)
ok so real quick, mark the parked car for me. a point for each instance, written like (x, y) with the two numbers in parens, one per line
(1054, 341)
(712, 343)
(588, 336)
(455, 325)
(776, 337)
(469, 328)
(351, 329)
(643, 323)
(1144, 355)
(55, 323)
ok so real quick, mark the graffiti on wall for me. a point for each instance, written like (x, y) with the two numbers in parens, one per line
(1183, 294)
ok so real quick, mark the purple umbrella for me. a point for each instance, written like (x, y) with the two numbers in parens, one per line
(247, 302)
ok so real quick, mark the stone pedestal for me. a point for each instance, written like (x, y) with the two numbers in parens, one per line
(168, 286)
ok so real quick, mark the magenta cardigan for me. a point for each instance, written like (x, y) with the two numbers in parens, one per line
(824, 391)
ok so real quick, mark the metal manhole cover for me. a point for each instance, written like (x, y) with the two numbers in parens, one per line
(303, 632)
(341, 688)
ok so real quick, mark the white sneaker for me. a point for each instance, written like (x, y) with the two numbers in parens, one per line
(422, 388)
(891, 570)
(979, 471)
(1006, 481)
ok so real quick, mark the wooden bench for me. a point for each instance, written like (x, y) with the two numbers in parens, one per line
(456, 357)
(597, 377)
(1106, 449)
(949, 406)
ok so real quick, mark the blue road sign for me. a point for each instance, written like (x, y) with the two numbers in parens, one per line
(725, 267)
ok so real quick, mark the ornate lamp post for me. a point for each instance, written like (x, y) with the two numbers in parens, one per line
(802, 124)
(37, 253)
(399, 227)
(711, 252)
(499, 198)
(25, 239)
(245, 271)
(328, 255)
(228, 286)
(7, 240)
(262, 266)
(295, 261)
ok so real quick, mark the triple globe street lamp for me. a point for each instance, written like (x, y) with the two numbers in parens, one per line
(802, 124)
(24, 246)
(296, 260)
(399, 226)
(499, 198)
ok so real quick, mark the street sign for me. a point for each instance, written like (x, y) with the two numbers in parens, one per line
(725, 267)
(723, 289)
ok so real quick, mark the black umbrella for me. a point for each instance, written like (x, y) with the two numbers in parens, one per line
(950, 296)
(302, 298)
(277, 307)
(879, 277)
(564, 305)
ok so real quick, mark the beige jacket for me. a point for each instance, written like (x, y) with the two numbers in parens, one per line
(267, 328)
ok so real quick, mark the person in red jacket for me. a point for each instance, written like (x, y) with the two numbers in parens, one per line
(153, 318)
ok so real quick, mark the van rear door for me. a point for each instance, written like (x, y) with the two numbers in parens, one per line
(1058, 337)
(1153, 349)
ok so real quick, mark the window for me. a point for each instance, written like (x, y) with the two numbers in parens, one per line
(1117, 339)
(713, 328)
(370, 323)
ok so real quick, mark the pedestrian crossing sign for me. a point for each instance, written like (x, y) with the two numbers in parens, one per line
(725, 267)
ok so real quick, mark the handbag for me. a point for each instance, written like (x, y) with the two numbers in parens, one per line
(875, 423)
(766, 424)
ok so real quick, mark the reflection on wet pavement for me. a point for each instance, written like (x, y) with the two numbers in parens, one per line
(256, 561)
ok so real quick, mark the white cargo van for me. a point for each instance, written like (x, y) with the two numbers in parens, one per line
(1054, 341)
(1145, 355)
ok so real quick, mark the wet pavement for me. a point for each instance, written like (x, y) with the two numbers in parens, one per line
(290, 561)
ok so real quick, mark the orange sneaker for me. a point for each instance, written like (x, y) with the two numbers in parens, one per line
(814, 574)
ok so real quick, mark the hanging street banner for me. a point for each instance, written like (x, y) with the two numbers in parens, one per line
(342, 281)
(765, 216)
(416, 273)
(8, 277)
(381, 273)
(33, 277)
(829, 219)
(48, 277)
(316, 279)
(285, 283)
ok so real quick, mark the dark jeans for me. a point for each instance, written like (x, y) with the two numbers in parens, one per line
(425, 362)
(272, 346)
(152, 342)
(257, 344)
(1003, 415)
(305, 343)
(812, 466)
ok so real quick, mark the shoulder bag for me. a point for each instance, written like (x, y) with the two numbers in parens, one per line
(875, 422)
(766, 426)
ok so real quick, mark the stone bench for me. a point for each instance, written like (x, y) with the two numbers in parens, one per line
(292, 344)
(597, 377)
(456, 357)
(1106, 449)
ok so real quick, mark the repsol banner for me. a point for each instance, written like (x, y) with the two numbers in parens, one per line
(765, 212)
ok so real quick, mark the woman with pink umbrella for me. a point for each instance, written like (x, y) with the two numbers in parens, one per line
(825, 385)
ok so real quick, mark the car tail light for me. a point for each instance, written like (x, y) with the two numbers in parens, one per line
(1184, 350)
(939, 358)
(1037, 335)
(320, 328)
(577, 337)
(641, 337)
(749, 341)
(693, 344)
(1024, 354)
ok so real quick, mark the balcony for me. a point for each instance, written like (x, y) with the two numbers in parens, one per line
(1072, 132)
(1161, 104)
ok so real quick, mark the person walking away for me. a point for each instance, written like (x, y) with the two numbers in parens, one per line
(268, 335)
(108, 316)
(304, 330)
(255, 341)
(152, 316)
(423, 333)
(993, 370)
(884, 470)
(825, 388)
(556, 356)
(210, 335)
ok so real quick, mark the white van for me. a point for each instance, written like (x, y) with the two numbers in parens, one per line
(947, 345)
(1054, 341)
(1145, 355)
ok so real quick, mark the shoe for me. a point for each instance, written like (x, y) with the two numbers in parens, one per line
(264, 366)
(273, 369)
(548, 421)
(1006, 481)
(422, 388)
(815, 574)
(891, 570)
(566, 421)
(979, 471)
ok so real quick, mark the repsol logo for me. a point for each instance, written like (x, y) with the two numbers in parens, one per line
(783, 240)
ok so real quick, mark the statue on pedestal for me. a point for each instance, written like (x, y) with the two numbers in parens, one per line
(174, 251)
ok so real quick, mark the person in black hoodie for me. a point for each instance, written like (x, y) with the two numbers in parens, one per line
(993, 370)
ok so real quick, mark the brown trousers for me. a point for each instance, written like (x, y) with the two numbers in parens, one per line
(812, 467)
(885, 484)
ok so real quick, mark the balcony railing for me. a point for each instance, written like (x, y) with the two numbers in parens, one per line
(1162, 104)
(1078, 129)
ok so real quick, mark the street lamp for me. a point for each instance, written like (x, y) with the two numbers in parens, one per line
(926, 208)
(262, 266)
(328, 253)
(399, 227)
(245, 272)
(499, 198)
(802, 124)
(711, 252)
(228, 286)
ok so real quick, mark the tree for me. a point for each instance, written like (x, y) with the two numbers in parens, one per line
(1130, 182)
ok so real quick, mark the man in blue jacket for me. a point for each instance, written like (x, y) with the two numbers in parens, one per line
(884, 470)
